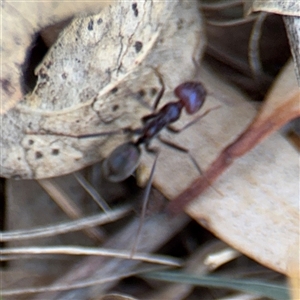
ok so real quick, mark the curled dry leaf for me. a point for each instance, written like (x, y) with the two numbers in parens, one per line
(100, 75)
(283, 7)
(258, 213)
(290, 9)
(292, 25)
(16, 41)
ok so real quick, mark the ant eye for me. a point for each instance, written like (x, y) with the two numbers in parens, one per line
(192, 96)
(122, 162)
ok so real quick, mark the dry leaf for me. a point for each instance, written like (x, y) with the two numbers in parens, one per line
(293, 271)
(293, 31)
(97, 77)
(252, 216)
(283, 7)
(17, 40)
(258, 214)
(290, 9)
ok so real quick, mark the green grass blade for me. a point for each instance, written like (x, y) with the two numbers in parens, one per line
(258, 287)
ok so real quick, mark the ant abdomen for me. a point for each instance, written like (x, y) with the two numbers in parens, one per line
(191, 95)
(122, 162)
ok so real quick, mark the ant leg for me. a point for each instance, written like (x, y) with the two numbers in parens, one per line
(126, 130)
(182, 149)
(161, 92)
(192, 158)
(97, 134)
(145, 203)
(89, 135)
(147, 118)
(176, 130)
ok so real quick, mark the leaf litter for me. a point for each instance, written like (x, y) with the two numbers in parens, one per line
(209, 211)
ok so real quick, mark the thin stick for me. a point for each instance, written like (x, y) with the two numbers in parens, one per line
(68, 206)
(92, 192)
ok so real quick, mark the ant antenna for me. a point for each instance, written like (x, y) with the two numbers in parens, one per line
(189, 124)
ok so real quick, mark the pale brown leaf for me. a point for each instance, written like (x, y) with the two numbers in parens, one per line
(283, 7)
(293, 31)
(258, 212)
(20, 23)
(98, 77)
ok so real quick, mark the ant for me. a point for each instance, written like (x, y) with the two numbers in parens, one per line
(123, 161)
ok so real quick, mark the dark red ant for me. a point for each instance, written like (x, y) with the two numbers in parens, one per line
(123, 161)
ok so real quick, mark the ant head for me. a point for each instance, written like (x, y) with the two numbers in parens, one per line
(192, 95)
(122, 162)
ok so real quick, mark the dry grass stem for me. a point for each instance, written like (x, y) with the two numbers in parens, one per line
(65, 227)
(67, 205)
(72, 250)
(67, 286)
(196, 264)
(92, 192)
(232, 22)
